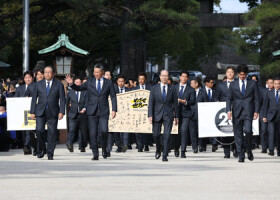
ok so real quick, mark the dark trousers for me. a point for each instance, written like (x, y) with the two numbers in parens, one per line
(228, 141)
(98, 123)
(110, 141)
(122, 139)
(142, 139)
(51, 132)
(264, 134)
(167, 123)
(274, 133)
(242, 124)
(75, 125)
(29, 139)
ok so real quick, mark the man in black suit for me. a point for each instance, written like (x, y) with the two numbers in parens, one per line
(47, 106)
(99, 89)
(186, 99)
(121, 139)
(201, 96)
(76, 102)
(163, 109)
(271, 115)
(142, 139)
(221, 96)
(211, 97)
(264, 125)
(25, 90)
(243, 107)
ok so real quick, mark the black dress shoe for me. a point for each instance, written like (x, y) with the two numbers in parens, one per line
(40, 155)
(183, 154)
(227, 156)
(124, 149)
(264, 151)
(50, 158)
(108, 154)
(34, 153)
(104, 154)
(83, 150)
(146, 148)
(241, 160)
(214, 148)
(200, 149)
(176, 153)
(118, 150)
(129, 147)
(95, 158)
(195, 151)
(271, 153)
(251, 156)
(70, 148)
(278, 153)
(164, 159)
(158, 154)
(27, 150)
(140, 150)
(235, 154)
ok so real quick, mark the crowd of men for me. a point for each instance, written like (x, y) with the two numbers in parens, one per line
(170, 104)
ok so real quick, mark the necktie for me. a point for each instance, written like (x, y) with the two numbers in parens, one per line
(77, 96)
(48, 91)
(277, 97)
(121, 90)
(181, 92)
(142, 87)
(163, 93)
(48, 88)
(209, 95)
(243, 88)
(99, 86)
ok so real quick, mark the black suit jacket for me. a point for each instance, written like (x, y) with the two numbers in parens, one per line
(201, 97)
(20, 91)
(118, 91)
(75, 105)
(189, 96)
(263, 94)
(157, 105)
(96, 100)
(271, 108)
(250, 102)
(55, 100)
(222, 92)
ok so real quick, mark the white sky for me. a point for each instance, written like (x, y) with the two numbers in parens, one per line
(231, 6)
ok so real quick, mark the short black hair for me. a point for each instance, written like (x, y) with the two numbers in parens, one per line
(208, 79)
(142, 74)
(77, 77)
(269, 78)
(230, 67)
(99, 66)
(28, 73)
(121, 76)
(41, 70)
(49, 66)
(242, 68)
(257, 78)
(198, 80)
(185, 72)
(277, 78)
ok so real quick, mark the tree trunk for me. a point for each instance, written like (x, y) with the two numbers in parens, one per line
(133, 44)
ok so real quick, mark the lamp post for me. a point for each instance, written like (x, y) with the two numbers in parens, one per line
(25, 35)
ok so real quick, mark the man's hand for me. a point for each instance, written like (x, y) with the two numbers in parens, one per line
(256, 115)
(113, 114)
(82, 111)
(229, 115)
(176, 121)
(264, 120)
(33, 117)
(68, 79)
(151, 120)
(60, 116)
(182, 101)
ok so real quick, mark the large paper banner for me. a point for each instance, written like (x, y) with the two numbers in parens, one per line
(18, 115)
(132, 115)
(213, 121)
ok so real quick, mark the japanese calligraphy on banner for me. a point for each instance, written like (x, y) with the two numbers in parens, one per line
(132, 115)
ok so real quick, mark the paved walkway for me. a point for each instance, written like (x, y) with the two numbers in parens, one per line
(134, 176)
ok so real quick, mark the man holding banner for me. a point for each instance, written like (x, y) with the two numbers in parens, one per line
(243, 108)
(163, 104)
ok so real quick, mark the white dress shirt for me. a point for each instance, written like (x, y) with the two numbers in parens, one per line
(207, 89)
(142, 87)
(161, 87)
(196, 92)
(278, 93)
(123, 91)
(50, 83)
(183, 88)
(101, 83)
(228, 83)
(241, 83)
